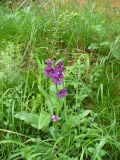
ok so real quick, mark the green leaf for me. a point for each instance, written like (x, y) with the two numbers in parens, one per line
(76, 120)
(84, 114)
(29, 118)
(93, 46)
(47, 98)
(44, 120)
(99, 148)
(35, 120)
(12, 142)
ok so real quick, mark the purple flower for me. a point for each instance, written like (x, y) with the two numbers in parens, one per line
(49, 71)
(55, 73)
(56, 79)
(62, 93)
(59, 72)
(54, 118)
(49, 62)
(60, 64)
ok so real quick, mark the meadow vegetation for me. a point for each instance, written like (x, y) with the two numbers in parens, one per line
(87, 40)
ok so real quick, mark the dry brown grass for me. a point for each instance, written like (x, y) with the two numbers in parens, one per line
(115, 3)
(103, 3)
(52, 3)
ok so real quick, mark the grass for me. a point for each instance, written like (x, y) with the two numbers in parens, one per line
(87, 40)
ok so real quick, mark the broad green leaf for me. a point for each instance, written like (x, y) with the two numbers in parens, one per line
(34, 120)
(29, 118)
(44, 120)
(76, 120)
(84, 114)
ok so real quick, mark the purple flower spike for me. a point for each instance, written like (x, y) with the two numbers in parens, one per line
(49, 71)
(56, 79)
(49, 62)
(60, 64)
(62, 93)
(54, 118)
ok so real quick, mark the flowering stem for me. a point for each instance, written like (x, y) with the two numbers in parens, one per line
(57, 97)
(65, 106)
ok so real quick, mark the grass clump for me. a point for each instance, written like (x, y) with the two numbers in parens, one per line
(87, 124)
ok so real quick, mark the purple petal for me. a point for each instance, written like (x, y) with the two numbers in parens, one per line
(60, 64)
(59, 72)
(56, 80)
(49, 62)
(62, 93)
(61, 75)
(54, 118)
(58, 69)
(49, 71)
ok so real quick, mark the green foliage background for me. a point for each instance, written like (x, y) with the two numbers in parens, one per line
(88, 40)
